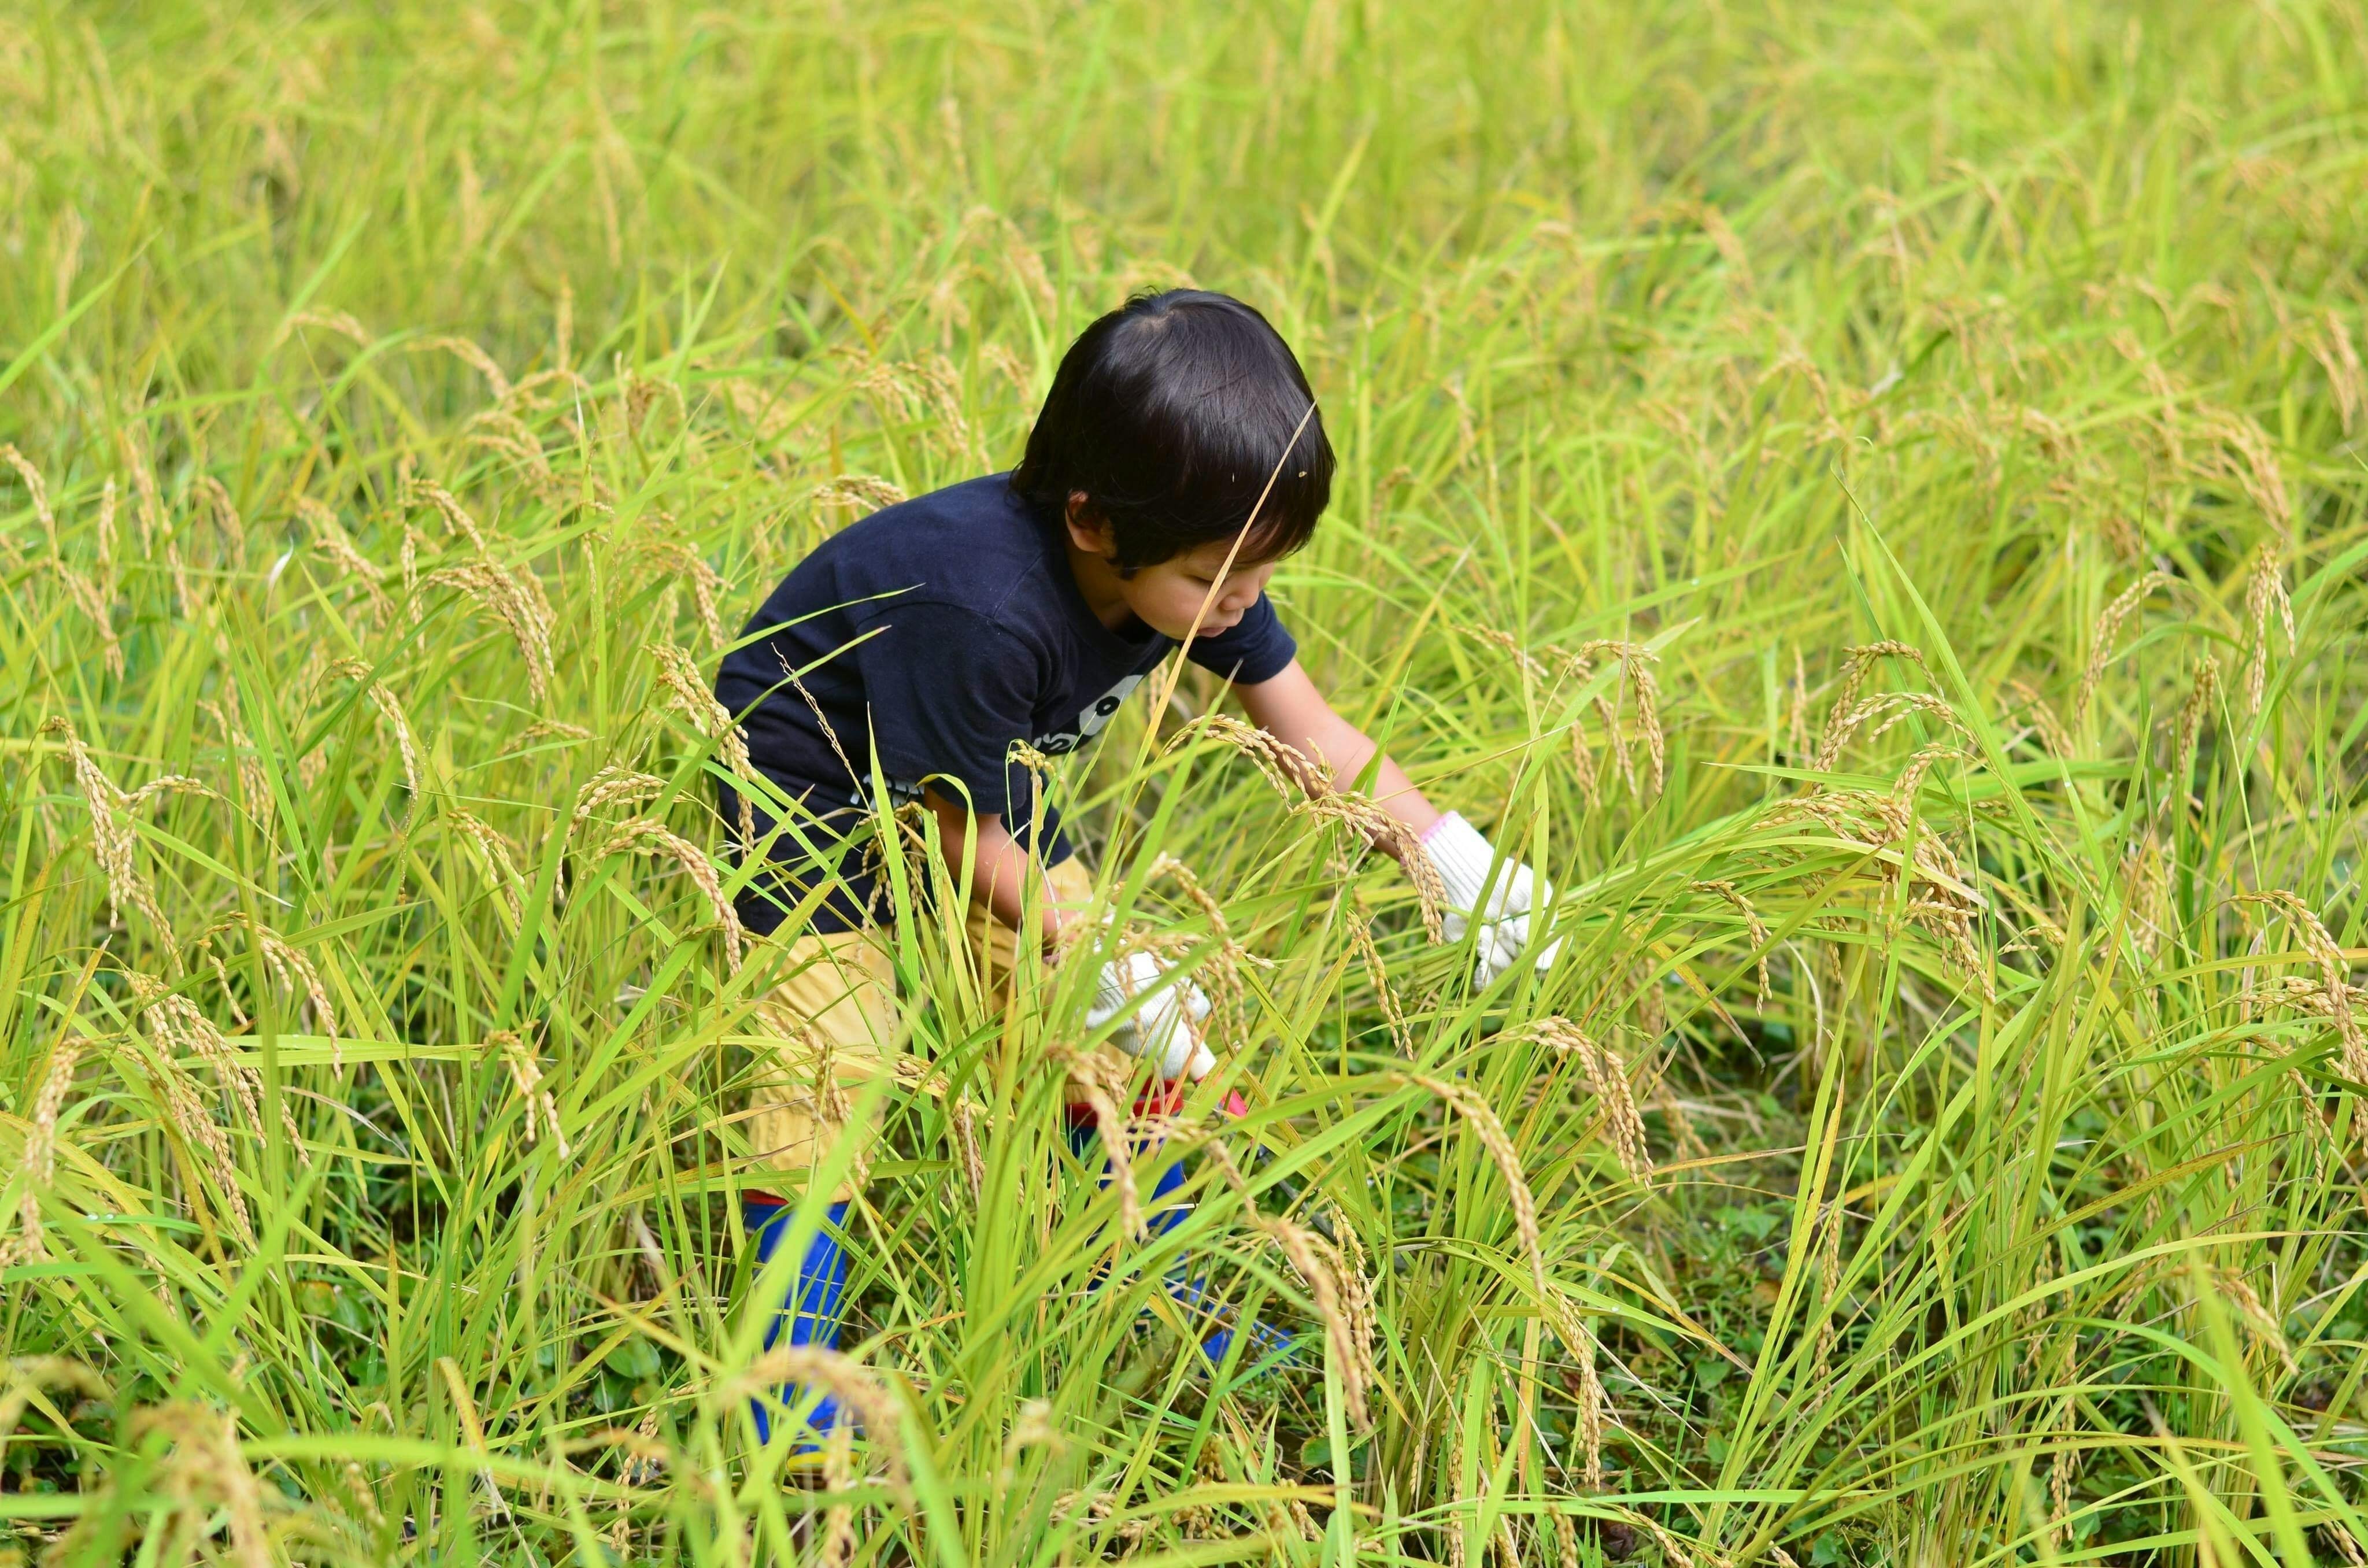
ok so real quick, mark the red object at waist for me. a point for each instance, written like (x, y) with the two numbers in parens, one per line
(1167, 1100)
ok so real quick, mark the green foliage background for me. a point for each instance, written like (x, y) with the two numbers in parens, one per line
(397, 395)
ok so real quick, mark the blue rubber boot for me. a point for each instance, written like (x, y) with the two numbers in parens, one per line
(1265, 1344)
(809, 1313)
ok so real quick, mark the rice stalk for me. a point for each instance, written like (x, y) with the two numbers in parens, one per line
(1482, 1119)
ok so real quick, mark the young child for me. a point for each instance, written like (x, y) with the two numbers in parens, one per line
(924, 640)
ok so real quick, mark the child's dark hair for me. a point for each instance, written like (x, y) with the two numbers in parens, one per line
(1170, 414)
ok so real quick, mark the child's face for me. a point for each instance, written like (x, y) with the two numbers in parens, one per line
(1174, 597)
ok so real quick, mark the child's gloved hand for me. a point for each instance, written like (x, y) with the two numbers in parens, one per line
(1502, 908)
(1163, 1029)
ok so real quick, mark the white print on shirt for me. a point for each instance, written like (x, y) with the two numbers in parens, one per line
(1089, 722)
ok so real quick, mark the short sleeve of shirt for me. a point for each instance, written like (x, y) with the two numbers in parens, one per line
(949, 691)
(1257, 649)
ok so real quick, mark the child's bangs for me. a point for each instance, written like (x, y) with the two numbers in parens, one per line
(1225, 488)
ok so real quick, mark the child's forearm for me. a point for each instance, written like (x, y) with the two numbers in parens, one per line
(1000, 870)
(1393, 790)
(1395, 793)
(1289, 708)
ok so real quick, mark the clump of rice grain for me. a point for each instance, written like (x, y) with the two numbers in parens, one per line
(1607, 1076)
(1635, 662)
(2045, 721)
(286, 964)
(2195, 714)
(501, 865)
(1857, 664)
(614, 786)
(643, 835)
(526, 1076)
(2109, 626)
(93, 598)
(680, 560)
(1758, 929)
(689, 696)
(2335, 991)
(502, 595)
(41, 1164)
(1343, 1298)
(2265, 591)
(862, 493)
(206, 1470)
(335, 545)
(36, 489)
(113, 840)
(813, 1366)
(390, 711)
(1098, 1079)
(1306, 786)
(182, 1030)
(470, 354)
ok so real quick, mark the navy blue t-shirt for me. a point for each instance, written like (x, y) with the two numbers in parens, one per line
(930, 637)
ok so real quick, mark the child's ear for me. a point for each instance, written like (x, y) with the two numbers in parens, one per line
(1088, 529)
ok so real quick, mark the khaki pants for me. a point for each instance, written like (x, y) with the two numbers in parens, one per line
(839, 1005)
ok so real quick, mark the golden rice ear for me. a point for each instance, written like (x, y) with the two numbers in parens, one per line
(644, 837)
(30, 1245)
(507, 597)
(113, 840)
(2109, 626)
(688, 695)
(2265, 591)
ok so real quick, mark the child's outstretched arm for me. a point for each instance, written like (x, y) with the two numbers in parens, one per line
(1500, 894)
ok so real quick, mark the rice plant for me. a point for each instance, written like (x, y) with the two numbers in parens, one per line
(1869, 499)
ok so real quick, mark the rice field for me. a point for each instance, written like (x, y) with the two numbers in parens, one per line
(1867, 498)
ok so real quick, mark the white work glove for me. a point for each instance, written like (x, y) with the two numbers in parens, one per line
(1163, 1029)
(1463, 857)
